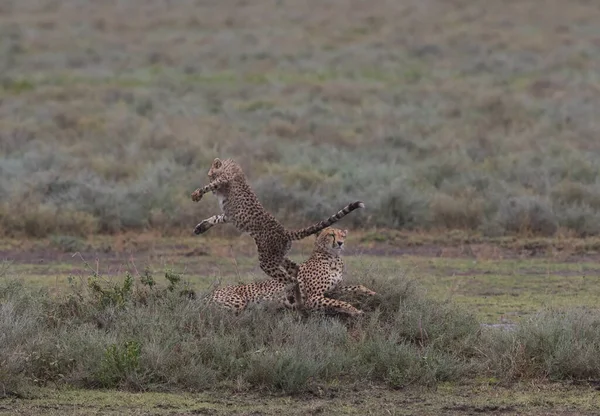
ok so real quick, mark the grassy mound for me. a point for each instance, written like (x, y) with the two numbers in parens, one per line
(139, 335)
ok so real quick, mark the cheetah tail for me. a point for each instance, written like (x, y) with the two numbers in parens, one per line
(315, 228)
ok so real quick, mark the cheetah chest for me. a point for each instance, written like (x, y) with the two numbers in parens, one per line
(221, 198)
(335, 274)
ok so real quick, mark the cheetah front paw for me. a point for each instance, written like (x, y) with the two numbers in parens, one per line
(202, 227)
(197, 196)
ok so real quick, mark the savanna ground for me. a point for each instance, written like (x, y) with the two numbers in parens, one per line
(550, 366)
(468, 127)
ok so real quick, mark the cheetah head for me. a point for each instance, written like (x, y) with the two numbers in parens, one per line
(220, 167)
(331, 239)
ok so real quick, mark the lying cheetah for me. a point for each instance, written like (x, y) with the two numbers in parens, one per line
(241, 207)
(321, 274)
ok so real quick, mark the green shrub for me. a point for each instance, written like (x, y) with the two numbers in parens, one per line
(402, 206)
(527, 215)
(119, 363)
(581, 219)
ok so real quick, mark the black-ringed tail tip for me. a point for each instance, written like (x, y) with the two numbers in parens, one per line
(361, 204)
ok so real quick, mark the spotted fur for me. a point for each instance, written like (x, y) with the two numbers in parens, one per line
(238, 297)
(241, 207)
(321, 275)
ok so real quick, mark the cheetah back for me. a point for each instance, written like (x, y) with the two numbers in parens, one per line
(238, 297)
(240, 204)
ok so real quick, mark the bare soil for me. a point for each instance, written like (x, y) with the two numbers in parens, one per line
(203, 257)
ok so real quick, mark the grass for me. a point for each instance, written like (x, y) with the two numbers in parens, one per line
(523, 398)
(508, 290)
(422, 336)
(61, 351)
(499, 280)
(106, 335)
(114, 120)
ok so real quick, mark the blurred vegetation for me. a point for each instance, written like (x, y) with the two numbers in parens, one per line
(474, 115)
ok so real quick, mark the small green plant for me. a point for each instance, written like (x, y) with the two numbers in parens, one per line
(173, 278)
(115, 295)
(119, 362)
(16, 85)
(147, 279)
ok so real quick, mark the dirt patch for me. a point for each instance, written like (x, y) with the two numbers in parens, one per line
(463, 408)
(186, 253)
(473, 251)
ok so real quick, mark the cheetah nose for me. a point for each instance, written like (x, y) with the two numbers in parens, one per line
(340, 243)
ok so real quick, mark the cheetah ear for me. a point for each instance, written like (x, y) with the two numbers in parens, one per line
(217, 163)
(345, 232)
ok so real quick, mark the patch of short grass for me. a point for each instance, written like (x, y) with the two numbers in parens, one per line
(447, 398)
(505, 290)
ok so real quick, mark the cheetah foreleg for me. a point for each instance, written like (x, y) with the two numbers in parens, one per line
(211, 187)
(355, 288)
(323, 303)
(208, 223)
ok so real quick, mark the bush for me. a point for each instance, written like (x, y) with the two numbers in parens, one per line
(582, 219)
(554, 344)
(402, 206)
(141, 335)
(528, 215)
(138, 334)
(456, 212)
(298, 184)
(569, 194)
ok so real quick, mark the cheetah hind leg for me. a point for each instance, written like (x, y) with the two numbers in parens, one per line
(272, 264)
(276, 272)
(292, 269)
(327, 304)
(208, 223)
